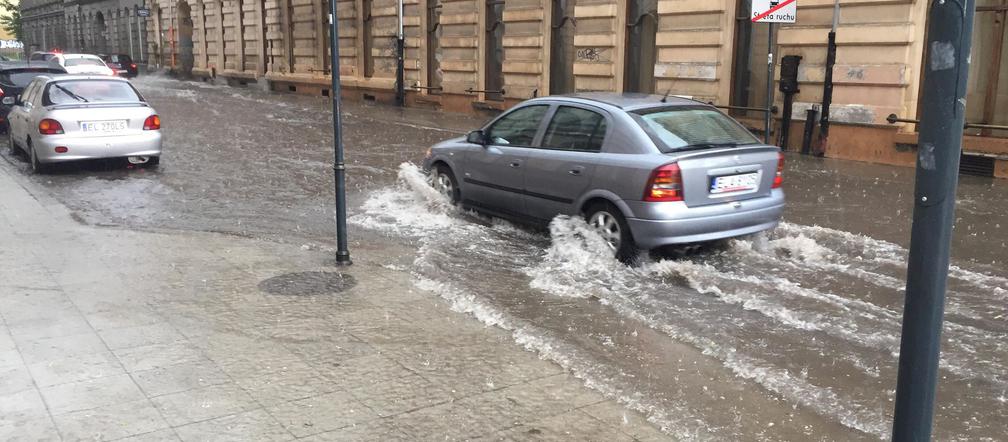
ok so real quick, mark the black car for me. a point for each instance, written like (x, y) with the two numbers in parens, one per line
(14, 77)
(122, 64)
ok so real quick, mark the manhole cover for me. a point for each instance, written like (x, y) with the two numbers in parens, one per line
(307, 284)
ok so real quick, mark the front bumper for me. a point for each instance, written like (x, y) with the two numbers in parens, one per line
(147, 143)
(709, 223)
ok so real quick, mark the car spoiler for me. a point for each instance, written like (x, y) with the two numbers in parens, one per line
(98, 105)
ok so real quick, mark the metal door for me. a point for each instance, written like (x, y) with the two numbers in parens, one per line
(641, 49)
(493, 78)
(562, 47)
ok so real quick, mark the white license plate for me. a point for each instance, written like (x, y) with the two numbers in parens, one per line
(734, 183)
(103, 126)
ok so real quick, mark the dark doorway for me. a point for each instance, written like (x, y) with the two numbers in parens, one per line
(562, 47)
(368, 37)
(641, 48)
(434, 32)
(100, 45)
(493, 78)
(749, 71)
(185, 38)
(987, 92)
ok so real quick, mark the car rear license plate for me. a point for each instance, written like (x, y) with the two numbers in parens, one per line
(734, 183)
(110, 126)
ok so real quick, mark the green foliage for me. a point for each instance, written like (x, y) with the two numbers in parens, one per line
(11, 21)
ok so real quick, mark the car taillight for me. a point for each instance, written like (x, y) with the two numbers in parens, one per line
(152, 122)
(133, 65)
(779, 178)
(2, 93)
(665, 184)
(50, 127)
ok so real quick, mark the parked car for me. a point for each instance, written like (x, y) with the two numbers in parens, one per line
(82, 64)
(78, 117)
(645, 171)
(14, 77)
(41, 56)
(122, 64)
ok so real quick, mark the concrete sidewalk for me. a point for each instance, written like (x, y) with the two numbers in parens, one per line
(112, 334)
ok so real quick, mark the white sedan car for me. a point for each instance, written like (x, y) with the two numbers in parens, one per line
(76, 117)
(82, 64)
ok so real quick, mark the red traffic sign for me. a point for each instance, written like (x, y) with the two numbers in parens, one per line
(774, 11)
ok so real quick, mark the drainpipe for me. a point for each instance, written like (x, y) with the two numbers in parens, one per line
(824, 122)
(400, 61)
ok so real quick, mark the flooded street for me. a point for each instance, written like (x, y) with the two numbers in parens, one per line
(791, 335)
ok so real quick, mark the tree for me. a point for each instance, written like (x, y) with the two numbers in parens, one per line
(11, 21)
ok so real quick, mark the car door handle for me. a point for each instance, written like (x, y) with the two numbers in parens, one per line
(576, 171)
(515, 164)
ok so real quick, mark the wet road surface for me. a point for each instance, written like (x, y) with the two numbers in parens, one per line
(790, 335)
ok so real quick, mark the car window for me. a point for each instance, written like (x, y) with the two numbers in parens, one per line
(517, 128)
(29, 94)
(677, 128)
(84, 62)
(38, 57)
(574, 128)
(89, 91)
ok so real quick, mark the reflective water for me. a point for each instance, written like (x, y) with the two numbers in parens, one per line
(788, 335)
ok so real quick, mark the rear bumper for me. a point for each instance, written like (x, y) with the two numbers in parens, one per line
(147, 143)
(708, 223)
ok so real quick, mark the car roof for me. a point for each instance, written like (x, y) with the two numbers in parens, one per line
(631, 101)
(80, 56)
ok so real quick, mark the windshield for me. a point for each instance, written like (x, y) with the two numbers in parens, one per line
(84, 62)
(678, 128)
(90, 91)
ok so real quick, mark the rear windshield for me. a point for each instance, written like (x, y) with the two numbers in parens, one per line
(42, 57)
(21, 78)
(680, 128)
(84, 62)
(90, 91)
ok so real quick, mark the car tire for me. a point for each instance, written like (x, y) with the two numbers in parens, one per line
(11, 145)
(608, 221)
(444, 182)
(38, 167)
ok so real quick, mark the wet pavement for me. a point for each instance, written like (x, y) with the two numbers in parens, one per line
(791, 335)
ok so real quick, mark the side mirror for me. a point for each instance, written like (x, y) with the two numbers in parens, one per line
(9, 101)
(476, 137)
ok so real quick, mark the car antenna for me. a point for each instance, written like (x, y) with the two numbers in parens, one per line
(665, 98)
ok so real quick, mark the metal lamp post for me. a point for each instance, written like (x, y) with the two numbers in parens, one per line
(339, 168)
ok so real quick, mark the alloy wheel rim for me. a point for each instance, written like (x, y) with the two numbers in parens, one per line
(608, 228)
(444, 185)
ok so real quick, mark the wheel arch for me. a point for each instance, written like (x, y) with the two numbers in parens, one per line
(604, 196)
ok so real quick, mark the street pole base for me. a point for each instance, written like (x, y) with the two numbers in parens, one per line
(343, 259)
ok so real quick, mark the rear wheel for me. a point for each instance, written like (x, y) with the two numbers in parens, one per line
(610, 224)
(37, 166)
(13, 149)
(444, 182)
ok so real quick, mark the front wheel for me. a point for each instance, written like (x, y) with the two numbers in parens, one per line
(444, 182)
(610, 224)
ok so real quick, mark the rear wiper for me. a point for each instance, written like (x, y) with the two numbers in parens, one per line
(71, 94)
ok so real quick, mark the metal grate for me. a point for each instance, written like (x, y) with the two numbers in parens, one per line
(977, 165)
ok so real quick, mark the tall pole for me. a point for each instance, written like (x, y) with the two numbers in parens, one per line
(831, 49)
(400, 61)
(129, 25)
(767, 121)
(943, 110)
(339, 168)
(140, 43)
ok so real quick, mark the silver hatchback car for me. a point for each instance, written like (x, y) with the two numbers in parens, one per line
(78, 117)
(645, 171)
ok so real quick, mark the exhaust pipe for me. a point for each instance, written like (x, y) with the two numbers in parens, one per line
(138, 160)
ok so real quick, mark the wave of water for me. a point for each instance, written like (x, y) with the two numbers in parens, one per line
(809, 313)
